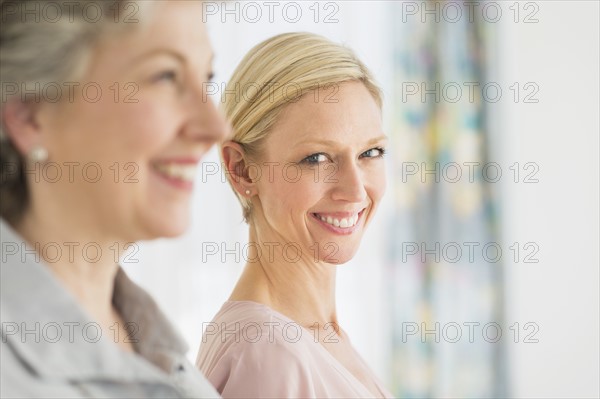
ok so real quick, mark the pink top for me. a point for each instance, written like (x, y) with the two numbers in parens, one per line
(251, 351)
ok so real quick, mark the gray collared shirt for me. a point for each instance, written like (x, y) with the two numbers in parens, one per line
(51, 348)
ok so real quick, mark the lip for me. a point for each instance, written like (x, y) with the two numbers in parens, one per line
(180, 184)
(339, 230)
(173, 182)
(181, 161)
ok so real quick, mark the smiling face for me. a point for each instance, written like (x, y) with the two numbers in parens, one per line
(329, 174)
(147, 132)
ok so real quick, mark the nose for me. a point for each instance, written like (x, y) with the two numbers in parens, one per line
(349, 184)
(206, 122)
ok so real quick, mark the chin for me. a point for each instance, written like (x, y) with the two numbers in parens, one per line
(163, 226)
(339, 257)
(174, 231)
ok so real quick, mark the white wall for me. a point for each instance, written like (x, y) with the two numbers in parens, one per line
(560, 213)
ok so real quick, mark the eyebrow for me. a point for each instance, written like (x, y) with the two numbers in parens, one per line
(335, 143)
(159, 51)
(172, 53)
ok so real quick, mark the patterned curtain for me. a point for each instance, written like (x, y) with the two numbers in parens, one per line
(445, 276)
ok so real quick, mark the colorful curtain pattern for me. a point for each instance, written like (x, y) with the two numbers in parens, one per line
(445, 279)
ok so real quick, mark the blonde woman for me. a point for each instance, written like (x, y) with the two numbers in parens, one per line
(104, 119)
(306, 163)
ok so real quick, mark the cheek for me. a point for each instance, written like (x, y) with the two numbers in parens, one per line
(143, 127)
(288, 194)
(376, 184)
(129, 130)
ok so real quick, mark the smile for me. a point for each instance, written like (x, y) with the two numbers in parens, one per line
(178, 171)
(341, 223)
(179, 174)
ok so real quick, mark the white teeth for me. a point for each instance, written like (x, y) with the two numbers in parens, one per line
(178, 171)
(343, 223)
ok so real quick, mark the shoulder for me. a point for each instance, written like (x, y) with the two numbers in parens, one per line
(264, 369)
(250, 351)
(249, 327)
(245, 326)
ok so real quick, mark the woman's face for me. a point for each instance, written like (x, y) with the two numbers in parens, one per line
(144, 134)
(322, 172)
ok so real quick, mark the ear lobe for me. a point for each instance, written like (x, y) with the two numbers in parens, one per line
(235, 162)
(20, 125)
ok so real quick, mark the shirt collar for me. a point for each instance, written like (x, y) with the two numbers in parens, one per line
(55, 337)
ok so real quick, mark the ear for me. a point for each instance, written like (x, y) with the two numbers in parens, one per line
(20, 125)
(236, 165)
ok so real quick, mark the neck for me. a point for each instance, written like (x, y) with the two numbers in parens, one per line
(84, 261)
(303, 290)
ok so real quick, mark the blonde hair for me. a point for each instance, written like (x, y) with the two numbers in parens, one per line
(300, 61)
(42, 44)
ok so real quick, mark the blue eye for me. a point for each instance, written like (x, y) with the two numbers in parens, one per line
(376, 152)
(315, 158)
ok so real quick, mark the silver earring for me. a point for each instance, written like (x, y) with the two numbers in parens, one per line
(38, 154)
(247, 192)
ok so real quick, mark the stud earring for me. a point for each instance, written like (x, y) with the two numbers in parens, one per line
(38, 154)
(247, 192)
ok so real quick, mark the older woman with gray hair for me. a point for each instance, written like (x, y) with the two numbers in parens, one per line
(104, 118)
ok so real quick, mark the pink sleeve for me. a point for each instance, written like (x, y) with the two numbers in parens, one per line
(264, 370)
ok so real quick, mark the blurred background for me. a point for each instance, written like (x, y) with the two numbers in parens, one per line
(479, 276)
